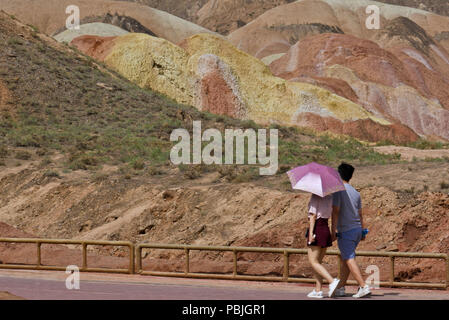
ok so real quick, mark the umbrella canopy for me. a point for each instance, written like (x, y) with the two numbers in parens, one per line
(317, 179)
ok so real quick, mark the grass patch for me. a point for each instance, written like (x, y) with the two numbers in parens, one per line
(3, 151)
(51, 174)
(23, 155)
(421, 144)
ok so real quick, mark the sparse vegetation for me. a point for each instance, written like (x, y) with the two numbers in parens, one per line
(410, 190)
(421, 144)
(14, 41)
(3, 152)
(23, 155)
(51, 174)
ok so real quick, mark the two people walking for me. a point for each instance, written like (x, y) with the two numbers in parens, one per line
(344, 208)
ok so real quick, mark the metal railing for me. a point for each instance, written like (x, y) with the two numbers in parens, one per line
(286, 253)
(135, 261)
(83, 243)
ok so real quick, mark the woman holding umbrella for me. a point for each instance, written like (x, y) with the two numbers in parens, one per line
(321, 181)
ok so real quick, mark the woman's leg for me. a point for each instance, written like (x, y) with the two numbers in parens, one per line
(322, 254)
(318, 279)
(316, 255)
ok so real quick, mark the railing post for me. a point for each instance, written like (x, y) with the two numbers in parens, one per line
(139, 258)
(447, 271)
(234, 273)
(286, 265)
(187, 252)
(84, 255)
(391, 270)
(131, 259)
(339, 266)
(39, 258)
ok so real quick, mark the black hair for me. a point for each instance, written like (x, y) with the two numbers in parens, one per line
(346, 171)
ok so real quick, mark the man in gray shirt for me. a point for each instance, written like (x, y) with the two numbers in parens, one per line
(348, 221)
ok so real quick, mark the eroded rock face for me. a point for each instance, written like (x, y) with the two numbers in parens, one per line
(407, 88)
(297, 20)
(126, 23)
(314, 54)
(94, 46)
(283, 26)
(366, 130)
(90, 29)
(224, 16)
(217, 88)
(208, 72)
(186, 9)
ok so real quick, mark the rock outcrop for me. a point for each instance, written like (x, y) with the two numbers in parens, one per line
(295, 21)
(404, 89)
(92, 29)
(210, 73)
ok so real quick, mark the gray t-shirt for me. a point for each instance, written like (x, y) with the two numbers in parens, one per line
(350, 203)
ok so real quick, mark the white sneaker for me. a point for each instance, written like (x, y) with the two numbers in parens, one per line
(314, 294)
(363, 292)
(340, 292)
(332, 287)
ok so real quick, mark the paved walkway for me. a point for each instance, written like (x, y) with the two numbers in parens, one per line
(51, 285)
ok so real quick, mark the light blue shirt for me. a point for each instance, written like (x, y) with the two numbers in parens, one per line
(350, 203)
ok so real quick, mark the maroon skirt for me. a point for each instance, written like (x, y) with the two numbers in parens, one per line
(322, 233)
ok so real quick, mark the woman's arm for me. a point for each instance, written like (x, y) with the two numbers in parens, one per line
(312, 219)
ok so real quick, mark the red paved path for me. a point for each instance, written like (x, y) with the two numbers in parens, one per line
(51, 285)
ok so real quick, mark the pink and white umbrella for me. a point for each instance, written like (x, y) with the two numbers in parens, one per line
(317, 179)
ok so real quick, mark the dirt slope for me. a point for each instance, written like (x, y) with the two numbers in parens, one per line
(172, 209)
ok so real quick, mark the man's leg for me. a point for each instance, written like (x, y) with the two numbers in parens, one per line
(355, 271)
(344, 273)
(347, 244)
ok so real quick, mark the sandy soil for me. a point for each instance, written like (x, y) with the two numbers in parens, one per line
(409, 153)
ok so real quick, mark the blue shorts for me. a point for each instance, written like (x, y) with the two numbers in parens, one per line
(348, 242)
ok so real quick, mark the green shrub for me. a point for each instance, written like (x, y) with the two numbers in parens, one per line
(51, 174)
(138, 164)
(14, 41)
(3, 152)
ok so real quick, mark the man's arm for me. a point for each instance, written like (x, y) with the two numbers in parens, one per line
(361, 221)
(335, 214)
(361, 218)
